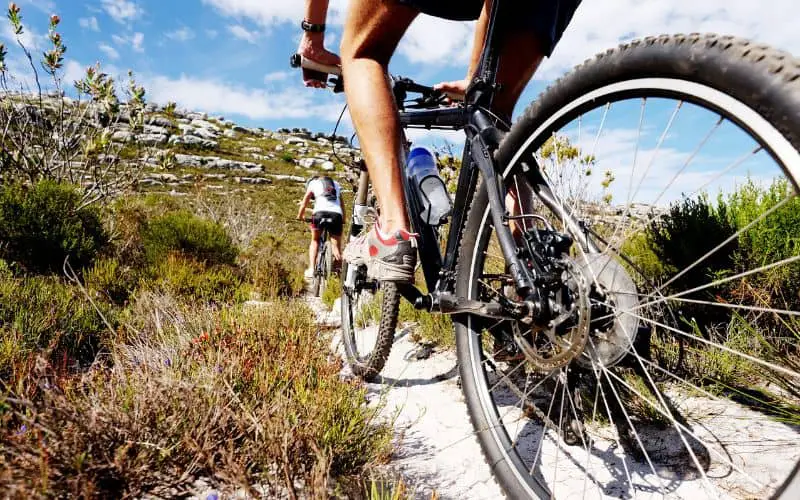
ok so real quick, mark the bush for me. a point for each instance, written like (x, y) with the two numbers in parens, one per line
(691, 229)
(189, 235)
(242, 397)
(112, 281)
(772, 239)
(42, 313)
(197, 281)
(44, 224)
(270, 270)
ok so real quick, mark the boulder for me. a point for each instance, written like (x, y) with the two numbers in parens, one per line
(203, 124)
(159, 121)
(295, 141)
(328, 166)
(122, 136)
(151, 139)
(252, 180)
(191, 140)
(155, 129)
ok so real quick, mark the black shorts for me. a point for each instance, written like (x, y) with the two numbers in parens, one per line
(547, 18)
(330, 221)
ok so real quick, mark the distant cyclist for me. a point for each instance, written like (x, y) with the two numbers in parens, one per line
(328, 213)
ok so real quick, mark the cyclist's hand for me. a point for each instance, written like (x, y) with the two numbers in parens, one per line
(455, 90)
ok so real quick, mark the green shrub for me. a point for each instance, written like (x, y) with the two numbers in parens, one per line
(192, 236)
(272, 269)
(44, 224)
(111, 281)
(648, 267)
(42, 313)
(197, 281)
(246, 397)
(333, 290)
(690, 229)
(287, 156)
(774, 238)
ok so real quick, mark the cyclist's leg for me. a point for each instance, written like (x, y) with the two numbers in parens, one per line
(313, 248)
(372, 32)
(335, 232)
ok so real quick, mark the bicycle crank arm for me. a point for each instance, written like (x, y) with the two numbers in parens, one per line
(447, 303)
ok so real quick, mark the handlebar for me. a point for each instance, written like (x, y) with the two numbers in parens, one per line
(430, 97)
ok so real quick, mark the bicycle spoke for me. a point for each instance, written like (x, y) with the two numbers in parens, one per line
(748, 357)
(731, 238)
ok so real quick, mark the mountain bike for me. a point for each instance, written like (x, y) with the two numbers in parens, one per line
(323, 268)
(629, 334)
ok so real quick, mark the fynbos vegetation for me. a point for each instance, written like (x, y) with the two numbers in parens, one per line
(130, 363)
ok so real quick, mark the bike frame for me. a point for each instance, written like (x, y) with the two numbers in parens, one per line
(484, 131)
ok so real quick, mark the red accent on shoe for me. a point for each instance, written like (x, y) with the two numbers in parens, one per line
(373, 251)
(392, 240)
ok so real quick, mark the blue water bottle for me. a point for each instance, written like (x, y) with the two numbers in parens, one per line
(434, 201)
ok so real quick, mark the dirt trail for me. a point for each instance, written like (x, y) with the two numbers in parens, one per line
(436, 450)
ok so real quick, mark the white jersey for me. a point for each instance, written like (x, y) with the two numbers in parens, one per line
(321, 202)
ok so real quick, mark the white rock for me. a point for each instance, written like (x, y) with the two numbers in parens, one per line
(155, 129)
(295, 141)
(151, 139)
(328, 166)
(205, 125)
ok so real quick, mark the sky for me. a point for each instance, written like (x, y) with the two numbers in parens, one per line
(230, 57)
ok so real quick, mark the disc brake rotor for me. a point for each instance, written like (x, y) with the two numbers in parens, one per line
(566, 336)
(614, 301)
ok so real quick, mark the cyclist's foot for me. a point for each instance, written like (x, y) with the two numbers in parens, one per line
(388, 258)
(308, 273)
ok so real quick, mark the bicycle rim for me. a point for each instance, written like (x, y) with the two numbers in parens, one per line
(689, 384)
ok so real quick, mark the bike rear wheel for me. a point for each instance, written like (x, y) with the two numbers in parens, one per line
(688, 385)
(370, 310)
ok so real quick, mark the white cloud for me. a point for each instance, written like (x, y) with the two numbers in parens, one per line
(430, 40)
(212, 33)
(122, 11)
(242, 33)
(270, 12)
(109, 51)
(89, 23)
(277, 76)
(43, 5)
(29, 38)
(181, 34)
(215, 96)
(135, 40)
(598, 26)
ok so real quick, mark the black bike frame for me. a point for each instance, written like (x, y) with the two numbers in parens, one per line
(482, 139)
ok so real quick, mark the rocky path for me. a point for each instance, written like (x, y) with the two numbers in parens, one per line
(436, 451)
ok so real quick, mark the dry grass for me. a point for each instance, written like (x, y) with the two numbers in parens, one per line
(191, 392)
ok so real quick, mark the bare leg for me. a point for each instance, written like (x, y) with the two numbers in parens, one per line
(520, 56)
(372, 32)
(313, 249)
(312, 45)
(337, 247)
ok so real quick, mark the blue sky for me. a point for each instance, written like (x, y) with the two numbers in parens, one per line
(230, 57)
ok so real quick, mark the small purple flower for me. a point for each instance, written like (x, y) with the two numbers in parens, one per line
(167, 362)
(219, 369)
(22, 429)
(212, 496)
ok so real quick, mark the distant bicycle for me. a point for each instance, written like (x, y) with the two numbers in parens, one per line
(585, 376)
(323, 269)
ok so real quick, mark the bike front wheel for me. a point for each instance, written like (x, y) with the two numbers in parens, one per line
(682, 280)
